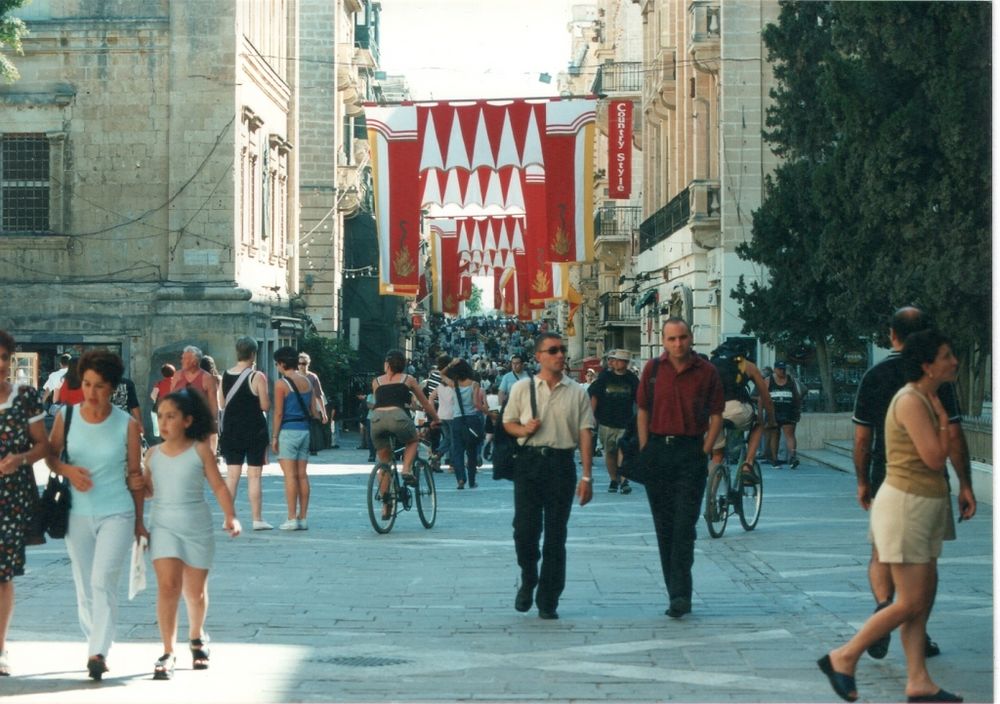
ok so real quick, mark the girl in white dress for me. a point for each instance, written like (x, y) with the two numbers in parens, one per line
(181, 542)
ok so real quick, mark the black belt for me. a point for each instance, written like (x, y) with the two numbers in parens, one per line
(544, 451)
(676, 439)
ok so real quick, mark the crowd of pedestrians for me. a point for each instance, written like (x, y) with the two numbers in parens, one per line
(482, 375)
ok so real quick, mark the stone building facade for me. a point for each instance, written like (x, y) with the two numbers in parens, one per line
(149, 166)
(706, 89)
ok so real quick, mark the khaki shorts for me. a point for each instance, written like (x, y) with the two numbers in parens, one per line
(391, 421)
(740, 414)
(906, 528)
(610, 437)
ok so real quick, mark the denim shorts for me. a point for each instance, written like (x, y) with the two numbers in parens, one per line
(293, 445)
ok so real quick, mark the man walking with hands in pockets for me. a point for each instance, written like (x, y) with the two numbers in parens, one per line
(550, 416)
(680, 402)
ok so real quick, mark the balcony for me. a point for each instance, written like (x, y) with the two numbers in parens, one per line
(704, 30)
(618, 78)
(613, 227)
(698, 206)
(617, 309)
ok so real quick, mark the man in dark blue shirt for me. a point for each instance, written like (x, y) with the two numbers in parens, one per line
(878, 386)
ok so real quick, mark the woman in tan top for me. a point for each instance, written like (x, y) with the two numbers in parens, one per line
(909, 519)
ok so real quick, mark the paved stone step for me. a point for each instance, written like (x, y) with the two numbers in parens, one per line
(834, 459)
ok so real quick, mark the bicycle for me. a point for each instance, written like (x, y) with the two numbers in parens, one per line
(400, 495)
(730, 490)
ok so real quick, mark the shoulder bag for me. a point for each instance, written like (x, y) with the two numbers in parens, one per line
(52, 516)
(505, 445)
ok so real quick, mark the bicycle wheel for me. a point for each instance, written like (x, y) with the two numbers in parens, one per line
(375, 500)
(751, 497)
(427, 503)
(717, 501)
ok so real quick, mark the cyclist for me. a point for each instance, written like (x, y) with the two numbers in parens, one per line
(390, 418)
(736, 372)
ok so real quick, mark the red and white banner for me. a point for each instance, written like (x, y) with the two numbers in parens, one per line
(472, 160)
(619, 149)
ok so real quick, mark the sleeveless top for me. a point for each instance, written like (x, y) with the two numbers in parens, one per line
(396, 393)
(904, 469)
(468, 401)
(177, 481)
(243, 416)
(783, 397)
(101, 448)
(198, 383)
(295, 414)
(447, 405)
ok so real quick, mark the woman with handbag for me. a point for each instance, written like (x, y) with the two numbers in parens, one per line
(294, 404)
(100, 455)
(22, 443)
(467, 426)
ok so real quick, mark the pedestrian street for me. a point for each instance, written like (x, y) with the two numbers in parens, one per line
(340, 614)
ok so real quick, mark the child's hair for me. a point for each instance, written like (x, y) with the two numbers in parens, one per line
(191, 402)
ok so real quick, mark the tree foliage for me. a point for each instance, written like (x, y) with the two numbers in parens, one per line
(12, 30)
(881, 113)
(474, 305)
(331, 359)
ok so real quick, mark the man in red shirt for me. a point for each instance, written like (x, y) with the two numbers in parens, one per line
(680, 403)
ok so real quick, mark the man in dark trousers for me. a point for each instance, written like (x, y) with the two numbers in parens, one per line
(612, 398)
(878, 386)
(545, 473)
(680, 403)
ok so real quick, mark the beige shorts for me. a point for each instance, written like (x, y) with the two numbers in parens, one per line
(740, 414)
(609, 437)
(907, 528)
(391, 421)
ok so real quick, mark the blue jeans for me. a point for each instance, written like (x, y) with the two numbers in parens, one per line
(464, 450)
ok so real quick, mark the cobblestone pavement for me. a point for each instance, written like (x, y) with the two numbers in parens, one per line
(338, 613)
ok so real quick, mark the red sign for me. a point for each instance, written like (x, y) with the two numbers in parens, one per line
(619, 148)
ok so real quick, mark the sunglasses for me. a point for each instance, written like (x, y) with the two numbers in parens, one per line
(555, 350)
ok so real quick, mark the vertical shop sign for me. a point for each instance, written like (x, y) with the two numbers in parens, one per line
(620, 149)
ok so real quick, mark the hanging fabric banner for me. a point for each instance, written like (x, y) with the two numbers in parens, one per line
(619, 149)
(395, 156)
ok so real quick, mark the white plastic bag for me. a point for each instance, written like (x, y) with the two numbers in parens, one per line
(137, 569)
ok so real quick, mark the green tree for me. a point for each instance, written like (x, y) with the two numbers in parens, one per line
(12, 30)
(881, 112)
(331, 359)
(475, 303)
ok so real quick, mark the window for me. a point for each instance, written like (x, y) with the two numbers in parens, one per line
(24, 183)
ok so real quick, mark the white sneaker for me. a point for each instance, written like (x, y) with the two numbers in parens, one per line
(302, 524)
(262, 525)
(290, 524)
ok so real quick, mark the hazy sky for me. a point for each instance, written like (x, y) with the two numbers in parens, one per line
(476, 48)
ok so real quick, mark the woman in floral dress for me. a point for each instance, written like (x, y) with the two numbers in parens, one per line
(22, 443)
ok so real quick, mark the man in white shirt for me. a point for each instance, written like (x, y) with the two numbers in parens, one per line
(55, 379)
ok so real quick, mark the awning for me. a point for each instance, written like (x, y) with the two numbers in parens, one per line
(646, 298)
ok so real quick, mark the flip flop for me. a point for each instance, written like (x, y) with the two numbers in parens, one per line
(842, 684)
(941, 695)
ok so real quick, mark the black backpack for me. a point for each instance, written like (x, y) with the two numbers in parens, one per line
(505, 445)
(729, 363)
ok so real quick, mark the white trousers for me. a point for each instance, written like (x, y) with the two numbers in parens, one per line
(98, 548)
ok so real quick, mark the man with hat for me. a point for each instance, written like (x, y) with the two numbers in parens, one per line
(612, 398)
(787, 410)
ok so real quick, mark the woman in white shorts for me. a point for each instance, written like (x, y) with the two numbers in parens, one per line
(910, 518)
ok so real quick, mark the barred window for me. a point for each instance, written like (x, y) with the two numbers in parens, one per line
(24, 183)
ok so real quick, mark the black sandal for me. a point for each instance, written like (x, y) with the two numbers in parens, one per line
(96, 667)
(163, 668)
(199, 654)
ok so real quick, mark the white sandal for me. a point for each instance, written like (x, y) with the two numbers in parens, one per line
(4, 665)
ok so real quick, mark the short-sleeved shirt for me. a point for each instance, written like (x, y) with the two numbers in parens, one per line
(563, 410)
(125, 396)
(682, 401)
(508, 380)
(878, 386)
(615, 394)
(55, 380)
